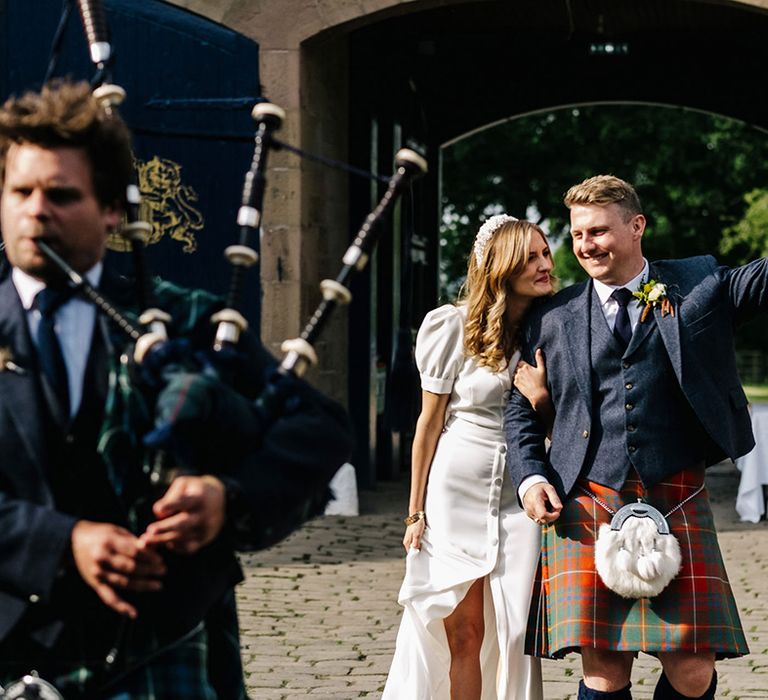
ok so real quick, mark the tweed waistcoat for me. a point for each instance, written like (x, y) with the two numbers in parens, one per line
(642, 419)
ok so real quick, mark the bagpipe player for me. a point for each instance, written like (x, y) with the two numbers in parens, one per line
(103, 596)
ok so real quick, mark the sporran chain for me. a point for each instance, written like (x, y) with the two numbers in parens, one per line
(610, 510)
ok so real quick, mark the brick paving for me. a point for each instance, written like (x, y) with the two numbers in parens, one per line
(318, 613)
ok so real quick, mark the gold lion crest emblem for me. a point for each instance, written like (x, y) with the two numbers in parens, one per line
(166, 204)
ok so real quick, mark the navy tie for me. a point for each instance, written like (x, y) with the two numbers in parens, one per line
(48, 347)
(623, 328)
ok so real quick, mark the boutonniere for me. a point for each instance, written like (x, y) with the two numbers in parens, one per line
(652, 294)
(7, 363)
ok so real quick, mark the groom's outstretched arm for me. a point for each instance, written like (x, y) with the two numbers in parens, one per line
(748, 289)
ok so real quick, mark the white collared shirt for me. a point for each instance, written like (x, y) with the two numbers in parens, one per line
(74, 322)
(610, 309)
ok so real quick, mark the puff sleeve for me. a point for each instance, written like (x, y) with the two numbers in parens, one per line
(440, 349)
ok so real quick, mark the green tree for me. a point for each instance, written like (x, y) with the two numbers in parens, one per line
(749, 237)
(691, 170)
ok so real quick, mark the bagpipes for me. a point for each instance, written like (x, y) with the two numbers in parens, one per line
(172, 404)
(189, 405)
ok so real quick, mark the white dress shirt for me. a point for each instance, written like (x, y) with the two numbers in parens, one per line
(610, 309)
(74, 322)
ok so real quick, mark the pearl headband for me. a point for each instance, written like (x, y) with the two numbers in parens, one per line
(489, 227)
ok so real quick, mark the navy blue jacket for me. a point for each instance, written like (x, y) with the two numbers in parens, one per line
(275, 480)
(709, 301)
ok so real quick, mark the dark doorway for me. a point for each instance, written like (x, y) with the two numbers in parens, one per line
(441, 72)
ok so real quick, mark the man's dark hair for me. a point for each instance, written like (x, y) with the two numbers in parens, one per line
(65, 114)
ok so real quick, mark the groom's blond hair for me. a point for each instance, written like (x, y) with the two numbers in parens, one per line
(602, 190)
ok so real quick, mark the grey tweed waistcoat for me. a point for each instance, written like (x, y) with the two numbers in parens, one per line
(641, 417)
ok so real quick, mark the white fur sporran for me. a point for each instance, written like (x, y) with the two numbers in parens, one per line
(636, 556)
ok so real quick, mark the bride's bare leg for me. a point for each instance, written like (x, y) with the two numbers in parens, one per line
(465, 627)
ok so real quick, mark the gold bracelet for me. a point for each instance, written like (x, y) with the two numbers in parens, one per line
(414, 517)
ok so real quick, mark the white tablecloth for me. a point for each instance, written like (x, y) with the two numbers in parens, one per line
(750, 502)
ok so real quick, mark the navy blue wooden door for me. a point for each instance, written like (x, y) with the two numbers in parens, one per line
(190, 84)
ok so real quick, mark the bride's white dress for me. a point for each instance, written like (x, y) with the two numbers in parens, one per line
(475, 529)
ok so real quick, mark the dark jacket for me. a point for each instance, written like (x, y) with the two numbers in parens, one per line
(50, 476)
(698, 341)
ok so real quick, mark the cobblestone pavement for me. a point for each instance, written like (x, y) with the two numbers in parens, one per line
(318, 613)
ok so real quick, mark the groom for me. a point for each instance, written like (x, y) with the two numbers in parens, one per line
(643, 403)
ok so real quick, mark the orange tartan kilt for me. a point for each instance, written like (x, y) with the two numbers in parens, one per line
(571, 606)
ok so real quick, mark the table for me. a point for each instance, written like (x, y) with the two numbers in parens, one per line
(750, 500)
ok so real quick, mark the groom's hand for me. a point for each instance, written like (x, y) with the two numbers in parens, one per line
(542, 504)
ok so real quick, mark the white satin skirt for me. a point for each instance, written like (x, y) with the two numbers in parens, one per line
(475, 529)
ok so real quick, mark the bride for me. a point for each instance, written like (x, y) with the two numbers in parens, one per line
(471, 551)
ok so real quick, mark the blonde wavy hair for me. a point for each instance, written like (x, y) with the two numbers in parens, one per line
(487, 336)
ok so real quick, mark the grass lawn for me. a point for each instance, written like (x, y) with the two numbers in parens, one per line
(756, 393)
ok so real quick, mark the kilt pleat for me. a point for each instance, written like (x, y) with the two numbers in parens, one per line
(571, 606)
